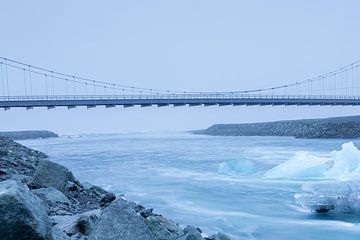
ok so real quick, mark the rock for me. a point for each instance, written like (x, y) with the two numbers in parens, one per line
(78, 236)
(86, 222)
(58, 234)
(120, 221)
(71, 186)
(218, 236)
(22, 214)
(22, 178)
(98, 190)
(87, 185)
(139, 208)
(191, 229)
(51, 194)
(162, 228)
(65, 224)
(3, 153)
(62, 212)
(146, 213)
(50, 174)
(18, 159)
(80, 223)
(107, 199)
(191, 236)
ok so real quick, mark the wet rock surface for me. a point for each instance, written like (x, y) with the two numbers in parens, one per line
(40, 199)
(51, 194)
(163, 228)
(107, 199)
(218, 236)
(23, 215)
(129, 226)
(50, 174)
(80, 223)
(17, 159)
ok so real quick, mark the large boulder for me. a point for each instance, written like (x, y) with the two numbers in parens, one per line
(81, 223)
(162, 228)
(191, 236)
(51, 194)
(107, 199)
(218, 236)
(58, 234)
(23, 216)
(120, 221)
(50, 174)
(191, 233)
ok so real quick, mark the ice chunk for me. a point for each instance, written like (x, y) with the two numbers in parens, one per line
(302, 165)
(345, 162)
(334, 196)
(235, 167)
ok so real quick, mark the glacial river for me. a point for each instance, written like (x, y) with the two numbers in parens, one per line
(215, 183)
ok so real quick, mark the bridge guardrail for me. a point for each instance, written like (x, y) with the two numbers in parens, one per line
(168, 96)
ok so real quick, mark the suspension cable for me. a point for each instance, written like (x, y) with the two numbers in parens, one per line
(7, 79)
(2, 79)
(25, 82)
(31, 92)
(46, 84)
(96, 83)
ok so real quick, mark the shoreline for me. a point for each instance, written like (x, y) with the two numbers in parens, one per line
(321, 128)
(30, 134)
(69, 209)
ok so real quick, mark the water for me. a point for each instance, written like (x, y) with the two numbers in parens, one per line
(215, 183)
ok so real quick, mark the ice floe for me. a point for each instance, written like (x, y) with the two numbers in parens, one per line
(335, 196)
(343, 164)
(302, 165)
(235, 167)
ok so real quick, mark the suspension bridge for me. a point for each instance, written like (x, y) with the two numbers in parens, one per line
(28, 86)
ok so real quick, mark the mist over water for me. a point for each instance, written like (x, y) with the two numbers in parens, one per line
(216, 183)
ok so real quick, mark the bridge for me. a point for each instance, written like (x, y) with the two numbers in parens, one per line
(47, 88)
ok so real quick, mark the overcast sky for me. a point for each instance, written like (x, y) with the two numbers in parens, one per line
(182, 45)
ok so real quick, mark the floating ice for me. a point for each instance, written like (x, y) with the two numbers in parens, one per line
(334, 196)
(235, 167)
(302, 165)
(343, 164)
(341, 195)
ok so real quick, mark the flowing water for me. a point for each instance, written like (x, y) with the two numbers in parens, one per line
(215, 183)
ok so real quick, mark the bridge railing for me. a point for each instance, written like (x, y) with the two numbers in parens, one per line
(169, 96)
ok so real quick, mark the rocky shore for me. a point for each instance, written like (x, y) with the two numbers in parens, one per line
(21, 135)
(340, 127)
(40, 199)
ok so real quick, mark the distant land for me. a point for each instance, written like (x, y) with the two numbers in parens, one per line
(22, 135)
(337, 127)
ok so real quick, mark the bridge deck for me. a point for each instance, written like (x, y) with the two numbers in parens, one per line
(180, 100)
